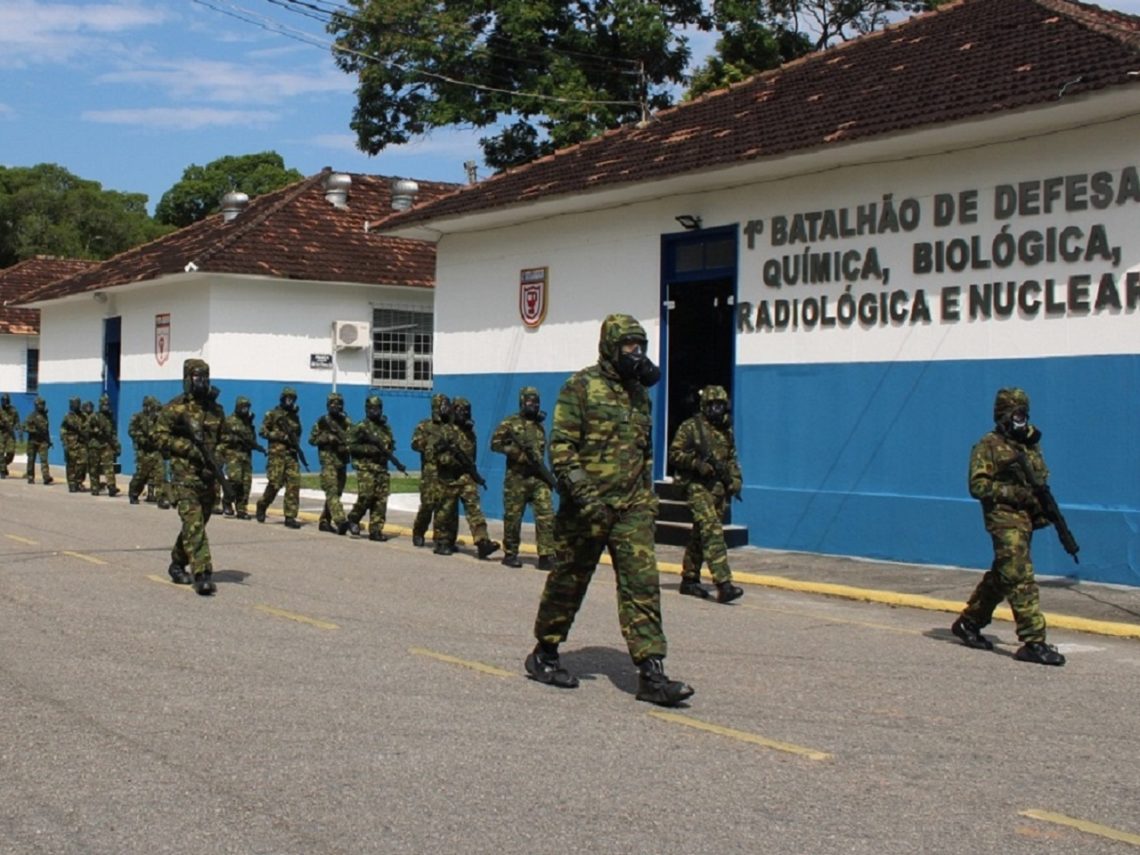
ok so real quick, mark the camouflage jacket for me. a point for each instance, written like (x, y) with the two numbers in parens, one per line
(283, 430)
(513, 433)
(450, 439)
(237, 435)
(140, 431)
(604, 428)
(330, 436)
(1001, 485)
(9, 420)
(181, 416)
(424, 439)
(36, 427)
(686, 454)
(73, 429)
(101, 430)
(370, 443)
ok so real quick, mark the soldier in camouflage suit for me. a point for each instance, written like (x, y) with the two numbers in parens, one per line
(9, 424)
(519, 436)
(188, 430)
(424, 440)
(370, 442)
(71, 433)
(102, 449)
(465, 488)
(329, 435)
(282, 427)
(601, 451)
(38, 432)
(1011, 513)
(148, 459)
(703, 454)
(238, 442)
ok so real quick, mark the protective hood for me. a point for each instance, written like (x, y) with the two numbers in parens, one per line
(527, 392)
(437, 402)
(189, 366)
(615, 330)
(1008, 400)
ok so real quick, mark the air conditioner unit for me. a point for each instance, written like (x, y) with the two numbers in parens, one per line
(350, 334)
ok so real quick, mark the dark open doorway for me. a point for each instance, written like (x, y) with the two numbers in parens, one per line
(112, 347)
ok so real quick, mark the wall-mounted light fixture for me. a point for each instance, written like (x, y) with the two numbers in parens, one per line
(99, 296)
(689, 222)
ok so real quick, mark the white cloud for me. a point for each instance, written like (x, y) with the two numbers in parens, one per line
(6, 112)
(32, 32)
(188, 119)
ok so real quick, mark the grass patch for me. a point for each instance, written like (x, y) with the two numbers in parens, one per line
(400, 483)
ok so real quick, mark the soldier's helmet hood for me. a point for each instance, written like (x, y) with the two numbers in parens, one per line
(460, 401)
(334, 396)
(437, 401)
(615, 330)
(74, 404)
(241, 399)
(713, 393)
(148, 401)
(373, 401)
(1008, 400)
(527, 392)
(40, 404)
(189, 366)
(288, 391)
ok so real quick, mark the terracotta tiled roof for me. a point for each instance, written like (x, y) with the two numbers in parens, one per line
(291, 233)
(967, 59)
(17, 281)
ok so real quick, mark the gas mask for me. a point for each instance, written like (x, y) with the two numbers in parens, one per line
(634, 364)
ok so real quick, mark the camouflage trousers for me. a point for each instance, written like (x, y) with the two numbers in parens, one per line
(430, 498)
(37, 449)
(333, 477)
(1010, 577)
(195, 503)
(578, 546)
(101, 467)
(239, 473)
(7, 452)
(467, 492)
(75, 463)
(446, 526)
(518, 492)
(373, 485)
(283, 470)
(149, 472)
(706, 542)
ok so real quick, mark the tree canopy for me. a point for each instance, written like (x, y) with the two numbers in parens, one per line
(45, 210)
(199, 193)
(543, 74)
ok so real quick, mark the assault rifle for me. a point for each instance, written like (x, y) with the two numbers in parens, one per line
(533, 460)
(388, 456)
(446, 446)
(719, 469)
(253, 445)
(296, 449)
(1049, 505)
(186, 428)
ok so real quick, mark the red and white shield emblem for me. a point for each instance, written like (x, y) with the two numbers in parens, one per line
(162, 338)
(533, 295)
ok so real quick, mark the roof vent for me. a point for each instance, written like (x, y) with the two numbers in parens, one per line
(403, 193)
(336, 189)
(233, 203)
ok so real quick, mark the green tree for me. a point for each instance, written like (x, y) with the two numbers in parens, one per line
(45, 210)
(199, 193)
(543, 73)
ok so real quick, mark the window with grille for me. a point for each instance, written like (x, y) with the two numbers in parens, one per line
(401, 347)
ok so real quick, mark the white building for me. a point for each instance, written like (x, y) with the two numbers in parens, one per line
(292, 288)
(863, 246)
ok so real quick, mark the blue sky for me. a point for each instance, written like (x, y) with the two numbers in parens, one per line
(131, 93)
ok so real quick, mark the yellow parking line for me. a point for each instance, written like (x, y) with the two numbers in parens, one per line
(281, 613)
(91, 559)
(1083, 825)
(162, 580)
(741, 735)
(24, 540)
(466, 663)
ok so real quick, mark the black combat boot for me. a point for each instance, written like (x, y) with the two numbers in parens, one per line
(243, 514)
(113, 491)
(132, 498)
(545, 562)
(485, 547)
(726, 592)
(1040, 653)
(655, 688)
(693, 588)
(342, 527)
(49, 480)
(970, 634)
(178, 574)
(150, 497)
(325, 525)
(511, 559)
(291, 522)
(71, 488)
(228, 509)
(378, 536)
(260, 513)
(544, 666)
(354, 527)
(418, 540)
(203, 583)
(163, 504)
(443, 548)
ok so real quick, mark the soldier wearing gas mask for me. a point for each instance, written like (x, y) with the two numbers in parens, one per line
(329, 436)
(522, 439)
(703, 454)
(282, 427)
(1011, 512)
(601, 452)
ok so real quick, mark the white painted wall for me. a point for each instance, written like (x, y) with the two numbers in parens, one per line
(71, 342)
(14, 362)
(609, 261)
